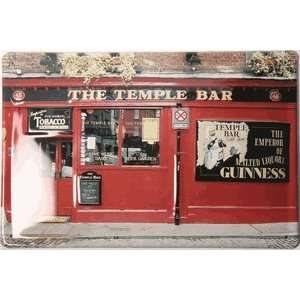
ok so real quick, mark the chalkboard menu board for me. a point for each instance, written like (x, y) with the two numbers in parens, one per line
(90, 188)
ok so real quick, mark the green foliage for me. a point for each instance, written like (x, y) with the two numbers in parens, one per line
(273, 64)
(97, 65)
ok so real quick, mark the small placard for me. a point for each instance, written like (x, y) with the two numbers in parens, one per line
(90, 188)
(91, 143)
(180, 118)
(150, 130)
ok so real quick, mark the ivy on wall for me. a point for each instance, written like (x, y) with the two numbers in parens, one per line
(97, 65)
(272, 64)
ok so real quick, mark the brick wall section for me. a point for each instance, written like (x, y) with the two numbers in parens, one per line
(27, 62)
(148, 62)
(210, 62)
(161, 61)
(222, 61)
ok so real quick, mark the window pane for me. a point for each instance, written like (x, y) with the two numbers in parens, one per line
(66, 149)
(141, 137)
(48, 149)
(99, 143)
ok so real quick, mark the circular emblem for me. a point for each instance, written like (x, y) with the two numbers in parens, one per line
(275, 95)
(180, 115)
(18, 95)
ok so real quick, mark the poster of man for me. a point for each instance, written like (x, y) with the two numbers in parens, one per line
(242, 151)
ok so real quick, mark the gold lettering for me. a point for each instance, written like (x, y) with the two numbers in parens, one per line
(74, 94)
(145, 94)
(227, 95)
(202, 95)
(181, 95)
(213, 95)
(119, 94)
(132, 95)
(100, 94)
(169, 95)
(88, 95)
(158, 94)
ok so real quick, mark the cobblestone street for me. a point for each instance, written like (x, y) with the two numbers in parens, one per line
(288, 242)
(145, 235)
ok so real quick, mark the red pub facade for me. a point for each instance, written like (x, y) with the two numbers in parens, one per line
(161, 149)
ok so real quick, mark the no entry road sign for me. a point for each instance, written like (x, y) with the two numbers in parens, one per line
(180, 118)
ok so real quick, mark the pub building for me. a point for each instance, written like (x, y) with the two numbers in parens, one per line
(162, 149)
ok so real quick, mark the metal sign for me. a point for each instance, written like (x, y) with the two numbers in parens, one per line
(244, 93)
(44, 119)
(180, 118)
(242, 151)
(18, 95)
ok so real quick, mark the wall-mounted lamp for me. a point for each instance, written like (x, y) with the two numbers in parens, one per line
(193, 60)
(19, 71)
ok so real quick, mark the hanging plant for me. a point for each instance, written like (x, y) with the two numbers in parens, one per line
(127, 64)
(275, 64)
(96, 66)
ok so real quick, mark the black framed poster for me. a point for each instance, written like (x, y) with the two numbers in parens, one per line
(242, 151)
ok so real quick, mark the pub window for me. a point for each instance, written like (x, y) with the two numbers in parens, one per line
(99, 132)
(136, 114)
(66, 153)
(140, 137)
(49, 149)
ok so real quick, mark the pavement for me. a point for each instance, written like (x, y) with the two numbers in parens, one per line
(146, 235)
(96, 230)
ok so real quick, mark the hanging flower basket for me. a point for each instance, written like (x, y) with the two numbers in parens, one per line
(96, 66)
(272, 64)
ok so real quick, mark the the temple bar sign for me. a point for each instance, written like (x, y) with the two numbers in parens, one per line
(227, 94)
(149, 94)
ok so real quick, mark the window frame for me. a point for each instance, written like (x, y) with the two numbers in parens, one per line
(119, 163)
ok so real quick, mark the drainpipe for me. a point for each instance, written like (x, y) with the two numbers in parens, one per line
(177, 202)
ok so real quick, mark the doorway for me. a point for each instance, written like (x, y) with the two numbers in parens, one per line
(132, 149)
(60, 155)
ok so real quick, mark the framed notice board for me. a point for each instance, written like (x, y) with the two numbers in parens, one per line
(90, 188)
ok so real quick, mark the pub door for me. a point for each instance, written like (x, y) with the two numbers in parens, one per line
(133, 152)
(59, 153)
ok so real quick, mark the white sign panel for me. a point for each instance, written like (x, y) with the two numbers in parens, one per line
(180, 118)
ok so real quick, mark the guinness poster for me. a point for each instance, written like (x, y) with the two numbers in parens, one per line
(242, 151)
(41, 119)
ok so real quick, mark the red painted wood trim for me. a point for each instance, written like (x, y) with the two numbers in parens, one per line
(123, 216)
(103, 104)
(154, 104)
(146, 81)
(240, 215)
